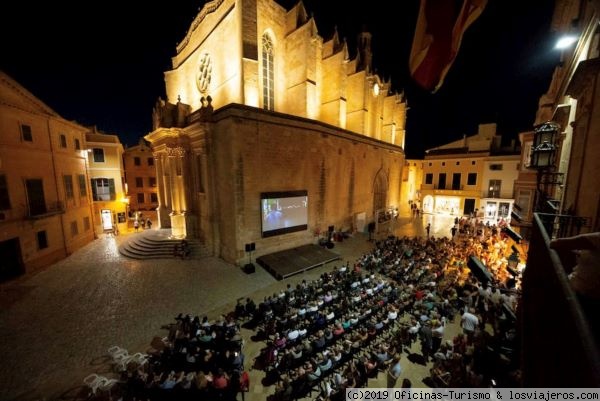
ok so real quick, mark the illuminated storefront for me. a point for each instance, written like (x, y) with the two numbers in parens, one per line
(496, 210)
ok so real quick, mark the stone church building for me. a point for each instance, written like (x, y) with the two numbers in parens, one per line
(257, 101)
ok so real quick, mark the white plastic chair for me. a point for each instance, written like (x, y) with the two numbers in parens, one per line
(139, 358)
(121, 362)
(94, 382)
(107, 385)
(116, 351)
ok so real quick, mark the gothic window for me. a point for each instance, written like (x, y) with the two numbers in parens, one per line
(268, 73)
(380, 192)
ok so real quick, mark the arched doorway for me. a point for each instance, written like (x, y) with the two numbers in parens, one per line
(380, 187)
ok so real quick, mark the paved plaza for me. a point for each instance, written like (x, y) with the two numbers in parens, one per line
(57, 325)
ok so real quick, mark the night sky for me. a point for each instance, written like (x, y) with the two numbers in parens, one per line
(102, 63)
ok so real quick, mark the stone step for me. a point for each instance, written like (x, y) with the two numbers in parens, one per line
(157, 245)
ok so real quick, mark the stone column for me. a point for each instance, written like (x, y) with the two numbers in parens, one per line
(163, 213)
(178, 229)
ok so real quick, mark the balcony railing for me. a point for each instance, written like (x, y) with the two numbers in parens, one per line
(558, 345)
(51, 209)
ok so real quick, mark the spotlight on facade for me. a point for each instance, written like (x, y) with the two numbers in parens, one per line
(565, 41)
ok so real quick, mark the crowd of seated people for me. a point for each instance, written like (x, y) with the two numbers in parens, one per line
(201, 360)
(329, 332)
(340, 330)
(434, 285)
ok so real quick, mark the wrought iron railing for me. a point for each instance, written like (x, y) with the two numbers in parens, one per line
(50, 209)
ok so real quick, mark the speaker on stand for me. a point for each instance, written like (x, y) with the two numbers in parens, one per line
(249, 267)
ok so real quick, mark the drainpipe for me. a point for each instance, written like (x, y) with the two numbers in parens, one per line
(56, 178)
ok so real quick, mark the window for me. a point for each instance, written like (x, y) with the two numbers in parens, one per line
(82, 185)
(494, 188)
(68, 186)
(153, 197)
(137, 161)
(42, 240)
(103, 189)
(139, 182)
(430, 164)
(98, 155)
(495, 166)
(152, 181)
(26, 133)
(456, 181)
(151, 161)
(35, 197)
(443, 164)
(442, 181)
(63, 141)
(268, 72)
(74, 228)
(523, 200)
(4, 197)
(429, 178)
(77, 144)
(140, 198)
(472, 162)
(86, 223)
(458, 163)
(472, 179)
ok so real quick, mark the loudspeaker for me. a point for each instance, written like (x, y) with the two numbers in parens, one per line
(371, 227)
(479, 270)
(249, 268)
(512, 234)
(330, 229)
(250, 247)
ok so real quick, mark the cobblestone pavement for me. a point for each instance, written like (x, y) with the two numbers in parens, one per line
(57, 325)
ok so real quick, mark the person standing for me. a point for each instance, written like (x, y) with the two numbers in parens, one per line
(149, 223)
(136, 225)
(428, 228)
(394, 371)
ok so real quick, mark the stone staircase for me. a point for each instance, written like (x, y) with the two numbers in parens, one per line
(156, 244)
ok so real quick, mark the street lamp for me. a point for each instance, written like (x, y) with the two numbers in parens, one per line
(542, 158)
(544, 145)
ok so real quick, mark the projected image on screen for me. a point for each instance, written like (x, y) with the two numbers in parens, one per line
(283, 212)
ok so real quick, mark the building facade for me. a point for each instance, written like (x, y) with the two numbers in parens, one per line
(259, 103)
(140, 180)
(105, 166)
(474, 175)
(573, 102)
(412, 177)
(45, 198)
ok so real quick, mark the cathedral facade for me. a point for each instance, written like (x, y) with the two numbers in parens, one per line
(258, 102)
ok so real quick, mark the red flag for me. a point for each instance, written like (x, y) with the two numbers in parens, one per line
(438, 34)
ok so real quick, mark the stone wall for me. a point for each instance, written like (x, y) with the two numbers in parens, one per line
(257, 151)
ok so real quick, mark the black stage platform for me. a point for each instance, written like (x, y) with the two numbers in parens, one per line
(284, 264)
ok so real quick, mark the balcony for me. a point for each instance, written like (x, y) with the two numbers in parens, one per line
(559, 337)
(43, 211)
